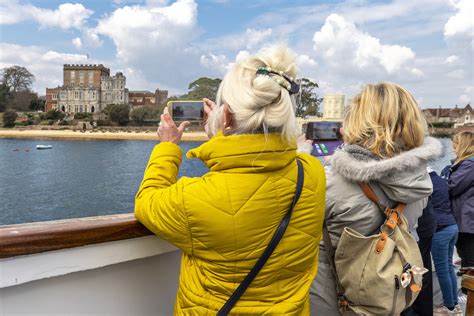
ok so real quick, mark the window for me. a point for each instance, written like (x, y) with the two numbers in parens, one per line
(55, 96)
(76, 95)
(73, 75)
(91, 77)
(93, 95)
(81, 77)
(467, 118)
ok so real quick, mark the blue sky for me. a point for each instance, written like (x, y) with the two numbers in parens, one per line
(425, 45)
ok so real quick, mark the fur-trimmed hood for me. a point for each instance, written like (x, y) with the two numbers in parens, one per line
(358, 164)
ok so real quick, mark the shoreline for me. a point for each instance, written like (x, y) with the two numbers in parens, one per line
(93, 135)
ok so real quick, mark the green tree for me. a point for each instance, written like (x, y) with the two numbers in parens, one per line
(83, 116)
(17, 78)
(54, 115)
(37, 105)
(202, 88)
(141, 114)
(21, 100)
(118, 113)
(4, 96)
(307, 100)
(9, 118)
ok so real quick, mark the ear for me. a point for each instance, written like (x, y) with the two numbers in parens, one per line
(228, 117)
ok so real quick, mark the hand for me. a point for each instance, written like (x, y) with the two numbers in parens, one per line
(302, 139)
(209, 107)
(304, 145)
(167, 130)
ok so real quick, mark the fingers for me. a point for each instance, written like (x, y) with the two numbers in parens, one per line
(183, 125)
(302, 138)
(209, 105)
(166, 119)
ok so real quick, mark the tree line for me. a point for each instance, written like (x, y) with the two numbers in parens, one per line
(16, 93)
(307, 101)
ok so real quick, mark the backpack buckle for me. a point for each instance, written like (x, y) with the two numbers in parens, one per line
(343, 303)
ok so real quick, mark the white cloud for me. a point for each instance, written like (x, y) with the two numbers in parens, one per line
(91, 38)
(340, 42)
(462, 23)
(77, 43)
(46, 65)
(304, 61)
(241, 56)
(253, 37)
(140, 30)
(417, 72)
(464, 99)
(452, 60)
(159, 40)
(211, 61)
(66, 16)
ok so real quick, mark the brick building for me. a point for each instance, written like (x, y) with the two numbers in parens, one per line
(84, 75)
(52, 96)
(147, 98)
(87, 88)
(458, 116)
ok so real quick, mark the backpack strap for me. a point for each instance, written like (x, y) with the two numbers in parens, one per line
(268, 251)
(393, 216)
(343, 302)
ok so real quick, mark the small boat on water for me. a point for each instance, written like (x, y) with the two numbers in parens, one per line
(44, 146)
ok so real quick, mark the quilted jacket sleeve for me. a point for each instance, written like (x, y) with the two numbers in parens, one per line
(461, 179)
(159, 201)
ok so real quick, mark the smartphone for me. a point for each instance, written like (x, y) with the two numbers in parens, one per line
(186, 110)
(326, 137)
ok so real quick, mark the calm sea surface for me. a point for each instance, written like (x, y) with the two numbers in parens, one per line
(83, 178)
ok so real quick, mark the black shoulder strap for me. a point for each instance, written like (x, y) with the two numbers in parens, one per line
(268, 251)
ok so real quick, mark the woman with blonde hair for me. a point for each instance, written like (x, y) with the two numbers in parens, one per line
(385, 145)
(224, 221)
(461, 194)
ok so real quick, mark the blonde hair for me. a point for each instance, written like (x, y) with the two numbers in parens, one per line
(385, 119)
(463, 144)
(258, 103)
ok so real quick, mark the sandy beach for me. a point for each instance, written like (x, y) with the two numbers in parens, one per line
(71, 134)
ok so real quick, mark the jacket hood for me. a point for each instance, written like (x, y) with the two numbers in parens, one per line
(245, 153)
(358, 164)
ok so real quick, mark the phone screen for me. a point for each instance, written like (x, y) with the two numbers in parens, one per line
(325, 148)
(323, 131)
(186, 110)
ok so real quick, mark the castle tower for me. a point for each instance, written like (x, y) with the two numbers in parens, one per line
(333, 106)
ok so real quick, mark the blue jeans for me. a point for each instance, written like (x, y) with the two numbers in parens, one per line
(442, 250)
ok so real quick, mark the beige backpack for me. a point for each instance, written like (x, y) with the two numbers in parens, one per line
(379, 274)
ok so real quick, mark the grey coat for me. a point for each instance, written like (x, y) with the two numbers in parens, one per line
(399, 179)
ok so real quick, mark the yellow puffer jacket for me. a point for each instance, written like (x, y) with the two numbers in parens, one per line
(224, 220)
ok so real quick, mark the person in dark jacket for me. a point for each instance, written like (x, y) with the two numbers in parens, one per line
(442, 248)
(423, 305)
(461, 193)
